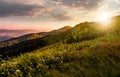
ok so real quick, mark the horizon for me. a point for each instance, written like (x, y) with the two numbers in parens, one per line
(47, 15)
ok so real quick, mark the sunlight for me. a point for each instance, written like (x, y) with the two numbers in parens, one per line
(104, 18)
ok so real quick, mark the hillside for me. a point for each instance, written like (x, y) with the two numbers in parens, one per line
(31, 36)
(30, 42)
(17, 40)
(89, 49)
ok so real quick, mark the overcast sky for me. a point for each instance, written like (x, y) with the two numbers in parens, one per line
(52, 14)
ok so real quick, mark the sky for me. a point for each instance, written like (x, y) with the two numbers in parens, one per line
(46, 15)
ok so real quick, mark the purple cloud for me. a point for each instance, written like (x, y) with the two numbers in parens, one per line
(20, 9)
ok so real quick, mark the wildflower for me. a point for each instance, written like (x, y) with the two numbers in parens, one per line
(2, 64)
(17, 71)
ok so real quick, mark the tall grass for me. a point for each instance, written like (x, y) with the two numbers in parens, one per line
(93, 58)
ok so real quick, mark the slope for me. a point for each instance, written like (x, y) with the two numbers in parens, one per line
(41, 39)
(77, 55)
(31, 36)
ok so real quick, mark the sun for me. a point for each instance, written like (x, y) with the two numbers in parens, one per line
(104, 18)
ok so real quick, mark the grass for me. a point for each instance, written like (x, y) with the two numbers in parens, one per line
(79, 54)
(98, 58)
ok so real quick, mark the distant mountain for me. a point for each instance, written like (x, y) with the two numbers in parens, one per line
(32, 36)
(2, 38)
(6, 34)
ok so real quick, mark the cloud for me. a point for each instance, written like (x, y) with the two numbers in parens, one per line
(20, 9)
(56, 0)
(59, 10)
(81, 4)
(62, 17)
(25, 1)
(118, 1)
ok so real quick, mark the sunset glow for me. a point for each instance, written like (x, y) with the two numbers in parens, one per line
(104, 18)
(44, 15)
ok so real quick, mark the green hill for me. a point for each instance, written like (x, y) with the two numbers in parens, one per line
(42, 39)
(90, 49)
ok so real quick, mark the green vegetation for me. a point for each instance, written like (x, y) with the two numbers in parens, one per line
(87, 50)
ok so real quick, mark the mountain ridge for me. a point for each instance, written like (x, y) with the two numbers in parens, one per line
(81, 32)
